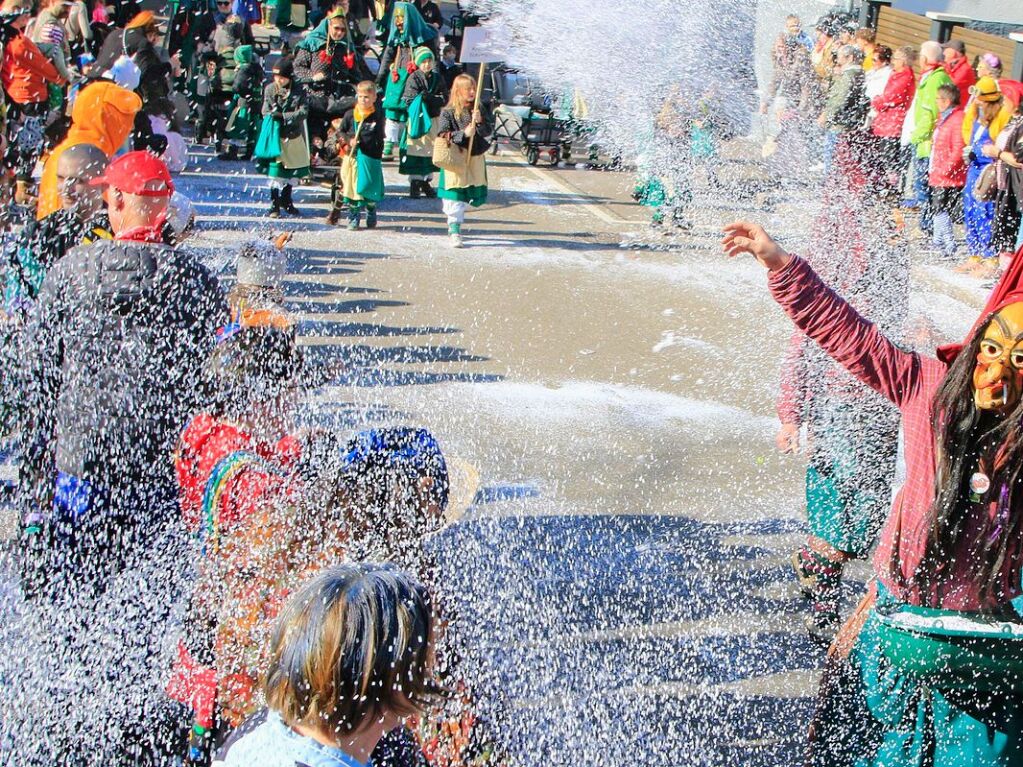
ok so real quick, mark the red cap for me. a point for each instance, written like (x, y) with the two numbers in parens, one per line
(138, 173)
(1009, 290)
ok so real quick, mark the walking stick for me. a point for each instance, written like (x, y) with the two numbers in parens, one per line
(475, 106)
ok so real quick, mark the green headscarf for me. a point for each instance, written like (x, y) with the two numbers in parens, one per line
(244, 54)
(316, 39)
(415, 32)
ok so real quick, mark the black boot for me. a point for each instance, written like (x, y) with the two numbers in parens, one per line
(428, 191)
(275, 203)
(287, 205)
(371, 218)
(230, 153)
(413, 189)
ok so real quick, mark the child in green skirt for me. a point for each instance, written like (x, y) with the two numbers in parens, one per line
(360, 138)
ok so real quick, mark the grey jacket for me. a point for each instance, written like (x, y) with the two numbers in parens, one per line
(116, 349)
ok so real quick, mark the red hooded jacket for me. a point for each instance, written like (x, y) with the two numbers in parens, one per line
(947, 165)
(893, 105)
(963, 76)
(26, 71)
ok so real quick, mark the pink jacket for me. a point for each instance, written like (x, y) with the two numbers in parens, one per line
(910, 381)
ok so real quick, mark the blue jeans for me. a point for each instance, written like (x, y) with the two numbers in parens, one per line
(830, 142)
(944, 237)
(921, 167)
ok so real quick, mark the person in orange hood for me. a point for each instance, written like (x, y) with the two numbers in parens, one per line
(103, 115)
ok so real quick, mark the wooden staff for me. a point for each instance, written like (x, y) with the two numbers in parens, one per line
(475, 106)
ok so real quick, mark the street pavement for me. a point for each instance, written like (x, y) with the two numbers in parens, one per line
(620, 582)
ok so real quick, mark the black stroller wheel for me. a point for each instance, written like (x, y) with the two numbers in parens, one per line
(533, 155)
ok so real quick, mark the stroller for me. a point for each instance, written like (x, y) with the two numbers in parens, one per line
(523, 117)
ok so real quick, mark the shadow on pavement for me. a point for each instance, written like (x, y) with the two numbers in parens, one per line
(586, 633)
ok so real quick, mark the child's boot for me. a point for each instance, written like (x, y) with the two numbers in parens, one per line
(286, 203)
(334, 216)
(428, 191)
(413, 189)
(371, 218)
(455, 235)
(353, 219)
(275, 203)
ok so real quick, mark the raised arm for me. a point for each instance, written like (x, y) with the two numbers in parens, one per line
(849, 339)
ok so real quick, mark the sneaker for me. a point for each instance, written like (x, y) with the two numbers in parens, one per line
(968, 266)
(456, 240)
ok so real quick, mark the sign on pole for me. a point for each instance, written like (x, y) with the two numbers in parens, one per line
(484, 45)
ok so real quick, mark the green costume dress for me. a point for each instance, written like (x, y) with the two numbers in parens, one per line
(398, 57)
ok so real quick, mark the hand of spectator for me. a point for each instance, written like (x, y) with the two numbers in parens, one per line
(822, 120)
(175, 62)
(319, 77)
(787, 438)
(990, 150)
(748, 237)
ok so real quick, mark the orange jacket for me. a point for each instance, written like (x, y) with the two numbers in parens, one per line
(103, 115)
(26, 71)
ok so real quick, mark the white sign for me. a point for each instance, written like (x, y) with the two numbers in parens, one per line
(484, 45)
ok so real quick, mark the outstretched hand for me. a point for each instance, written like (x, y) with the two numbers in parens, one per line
(748, 237)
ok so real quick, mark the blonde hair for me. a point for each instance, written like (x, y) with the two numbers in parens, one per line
(366, 86)
(459, 87)
(352, 644)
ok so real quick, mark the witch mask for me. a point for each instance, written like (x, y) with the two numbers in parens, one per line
(998, 375)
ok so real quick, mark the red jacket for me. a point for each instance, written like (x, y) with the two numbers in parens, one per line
(892, 105)
(947, 165)
(26, 71)
(204, 444)
(910, 380)
(963, 76)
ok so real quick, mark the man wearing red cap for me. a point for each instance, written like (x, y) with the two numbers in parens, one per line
(121, 332)
(900, 689)
(116, 347)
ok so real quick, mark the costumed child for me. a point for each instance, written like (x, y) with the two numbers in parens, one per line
(978, 215)
(407, 32)
(929, 670)
(282, 150)
(424, 97)
(350, 659)
(242, 126)
(360, 138)
(461, 125)
(236, 463)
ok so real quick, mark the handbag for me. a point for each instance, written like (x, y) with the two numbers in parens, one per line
(447, 155)
(952, 650)
(268, 145)
(986, 188)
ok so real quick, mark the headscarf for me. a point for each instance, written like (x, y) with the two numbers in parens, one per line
(103, 115)
(415, 32)
(1009, 290)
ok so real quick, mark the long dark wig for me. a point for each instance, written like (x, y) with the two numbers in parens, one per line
(958, 427)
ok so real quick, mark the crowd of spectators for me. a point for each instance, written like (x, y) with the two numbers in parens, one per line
(939, 127)
(157, 413)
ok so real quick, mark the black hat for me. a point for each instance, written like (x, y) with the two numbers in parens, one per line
(285, 67)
